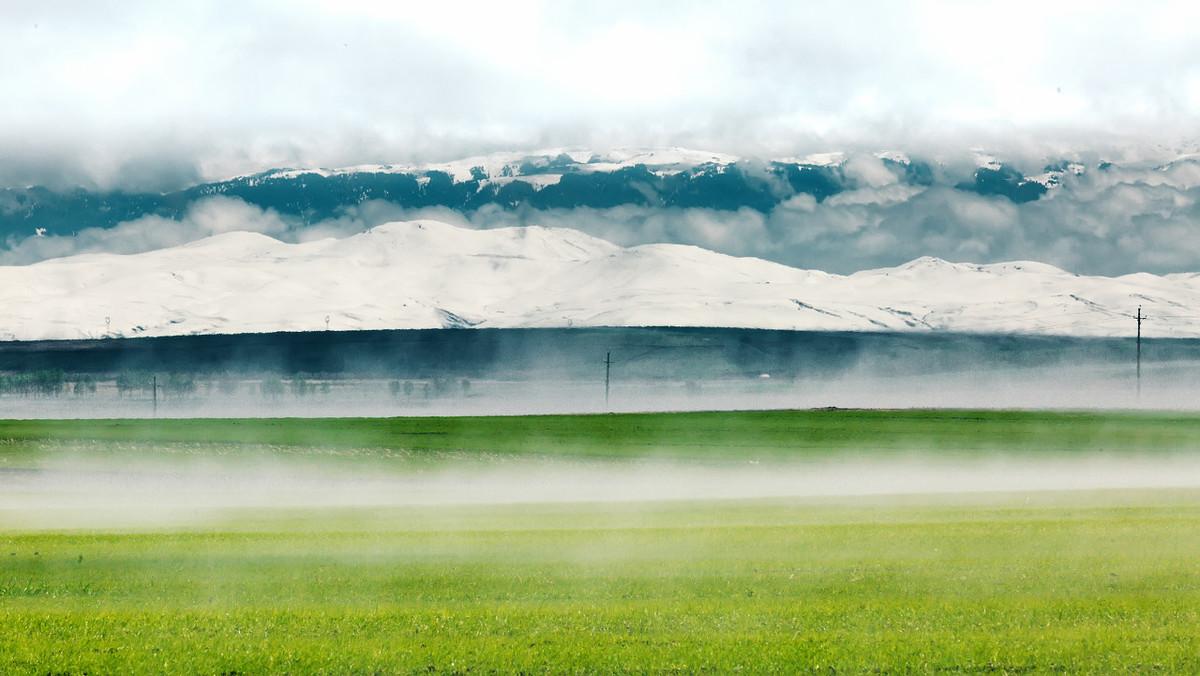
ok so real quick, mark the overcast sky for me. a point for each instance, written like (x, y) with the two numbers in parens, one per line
(160, 94)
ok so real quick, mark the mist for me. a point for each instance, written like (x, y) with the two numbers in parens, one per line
(140, 96)
(523, 371)
(203, 486)
(1169, 387)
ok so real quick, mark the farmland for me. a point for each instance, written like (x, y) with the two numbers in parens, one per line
(261, 577)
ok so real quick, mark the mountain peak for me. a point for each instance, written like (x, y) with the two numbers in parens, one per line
(423, 274)
(928, 263)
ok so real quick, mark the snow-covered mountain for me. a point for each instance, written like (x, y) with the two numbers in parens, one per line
(548, 163)
(555, 178)
(427, 274)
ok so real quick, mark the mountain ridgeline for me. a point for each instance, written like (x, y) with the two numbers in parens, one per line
(549, 181)
(426, 274)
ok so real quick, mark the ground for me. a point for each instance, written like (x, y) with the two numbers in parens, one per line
(1030, 582)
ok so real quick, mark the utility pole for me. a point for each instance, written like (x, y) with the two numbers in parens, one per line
(607, 369)
(154, 389)
(1139, 351)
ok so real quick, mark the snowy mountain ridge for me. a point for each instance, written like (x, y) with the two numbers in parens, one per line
(557, 179)
(551, 161)
(428, 274)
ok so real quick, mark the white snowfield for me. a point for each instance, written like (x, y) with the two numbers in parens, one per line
(504, 166)
(427, 274)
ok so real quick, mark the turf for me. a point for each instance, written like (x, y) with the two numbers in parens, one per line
(737, 434)
(1080, 582)
(817, 589)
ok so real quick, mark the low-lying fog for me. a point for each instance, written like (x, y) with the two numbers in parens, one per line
(75, 491)
(1163, 386)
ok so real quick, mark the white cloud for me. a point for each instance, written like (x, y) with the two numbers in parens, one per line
(889, 194)
(206, 217)
(1095, 223)
(213, 89)
(868, 170)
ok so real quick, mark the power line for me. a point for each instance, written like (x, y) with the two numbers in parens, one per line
(609, 361)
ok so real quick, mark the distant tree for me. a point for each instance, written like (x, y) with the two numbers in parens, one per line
(466, 386)
(179, 385)
(325, 387)
(17, 383)
(84, 385)
(271, 387)
(227, 386)
(441, 386)
(124, 384)
(300, 387)
(130, 383)
(394, 387)
(49, 382)
(45, 382)
(408, 388)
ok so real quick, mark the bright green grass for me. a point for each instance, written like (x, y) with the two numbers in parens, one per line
(739, 434)
(956, 587)
(1089, 582)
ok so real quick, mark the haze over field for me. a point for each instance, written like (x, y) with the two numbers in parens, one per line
(555, 336)
(71, 490)
(198, 472)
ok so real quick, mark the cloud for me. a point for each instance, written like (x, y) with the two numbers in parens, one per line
(210, 216)
(204, 218)
(868, 170)
(1100, 223)
(1112, 221)
(883, 195)
(153, 95)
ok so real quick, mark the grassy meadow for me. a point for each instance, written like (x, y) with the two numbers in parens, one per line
(1017, 582)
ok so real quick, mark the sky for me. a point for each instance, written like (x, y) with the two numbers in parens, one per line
(159, 95)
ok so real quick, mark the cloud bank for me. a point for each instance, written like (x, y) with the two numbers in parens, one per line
(1111, 221)
(158, 95)
(144, 96)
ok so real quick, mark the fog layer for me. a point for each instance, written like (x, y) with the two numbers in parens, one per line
(80, 491)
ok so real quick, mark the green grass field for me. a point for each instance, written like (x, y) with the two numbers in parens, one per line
(740, 434)
(1095, 581)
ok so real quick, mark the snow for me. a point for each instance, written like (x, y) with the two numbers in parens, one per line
(1053, 178)
(1049, 179)
(536, 181)
(985, 160)
(896, 156)
(504, 165)
(428, 274)
(660, 157)
(828, 159)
